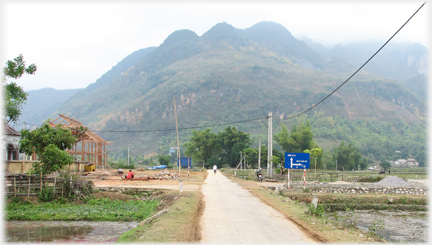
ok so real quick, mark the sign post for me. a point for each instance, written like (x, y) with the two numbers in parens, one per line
(288, 181)
(304, 179)
(297, 161)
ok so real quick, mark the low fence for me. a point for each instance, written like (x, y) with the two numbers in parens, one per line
(33, 185)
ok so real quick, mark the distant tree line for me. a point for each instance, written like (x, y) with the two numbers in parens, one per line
(224, 148)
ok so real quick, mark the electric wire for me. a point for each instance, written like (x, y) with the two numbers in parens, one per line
(301, 113)
(256, 119)
(172, 129)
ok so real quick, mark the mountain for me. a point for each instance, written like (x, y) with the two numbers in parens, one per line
(401, 62)
(228, 75)
(41, 103)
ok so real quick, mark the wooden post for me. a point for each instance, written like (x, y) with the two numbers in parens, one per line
(41, 183)
(304, 176)
(54, 186)
(70, 185)
(28, 189)
(288, 179)
(14, 184)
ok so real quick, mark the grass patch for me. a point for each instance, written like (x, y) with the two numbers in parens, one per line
(179, 224)
(321, 228)
(93, 210)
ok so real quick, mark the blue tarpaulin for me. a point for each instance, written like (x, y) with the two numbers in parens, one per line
(159, 167)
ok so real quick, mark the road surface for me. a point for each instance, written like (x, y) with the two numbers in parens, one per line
(233, 215)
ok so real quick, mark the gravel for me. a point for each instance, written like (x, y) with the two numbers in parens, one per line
(393, 180)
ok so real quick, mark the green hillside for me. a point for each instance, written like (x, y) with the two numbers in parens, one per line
(229, 75)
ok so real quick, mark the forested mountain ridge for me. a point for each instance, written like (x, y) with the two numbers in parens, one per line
(403, 62)
(229, 75)
(41, 103)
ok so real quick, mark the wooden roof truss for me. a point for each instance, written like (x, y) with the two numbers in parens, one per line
(89, 148)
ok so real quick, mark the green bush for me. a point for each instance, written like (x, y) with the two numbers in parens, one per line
(319, 211)
(125, 165)
(93, 210)
(370, 179)
(46, 195)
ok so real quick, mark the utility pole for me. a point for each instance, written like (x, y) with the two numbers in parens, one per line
(270, 145)
(178, 141)
(241, 158)
(259, 153)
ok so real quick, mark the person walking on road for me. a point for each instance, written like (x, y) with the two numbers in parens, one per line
(214, 168)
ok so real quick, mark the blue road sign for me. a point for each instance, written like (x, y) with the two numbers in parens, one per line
(185, 161)
(297, 160)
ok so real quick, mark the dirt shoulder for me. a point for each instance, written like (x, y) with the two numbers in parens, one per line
(180, 222)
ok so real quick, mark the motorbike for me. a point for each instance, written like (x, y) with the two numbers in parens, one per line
(259, 175)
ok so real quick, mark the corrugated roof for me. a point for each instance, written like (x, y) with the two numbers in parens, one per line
(8, 130)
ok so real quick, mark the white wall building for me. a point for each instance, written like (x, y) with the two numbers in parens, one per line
(11, 138)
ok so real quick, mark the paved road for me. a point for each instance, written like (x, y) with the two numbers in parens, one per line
(233, 215)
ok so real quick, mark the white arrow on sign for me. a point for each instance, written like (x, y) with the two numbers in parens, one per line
(295, 164)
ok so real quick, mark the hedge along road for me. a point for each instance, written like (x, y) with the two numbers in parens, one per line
(233, 215)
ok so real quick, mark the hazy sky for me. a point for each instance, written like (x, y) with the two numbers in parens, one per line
(74, 43)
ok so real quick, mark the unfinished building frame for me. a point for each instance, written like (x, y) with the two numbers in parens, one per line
(90, 148)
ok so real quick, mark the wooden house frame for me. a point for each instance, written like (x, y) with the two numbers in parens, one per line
(90, 148)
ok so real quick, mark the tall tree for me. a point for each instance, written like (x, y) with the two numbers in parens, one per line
(202, 146)
(232, 142)
(349, 157)
(164, 159)
(14, 95)
(315, 152)
(300, 138)
(49, 144)
(385, 165)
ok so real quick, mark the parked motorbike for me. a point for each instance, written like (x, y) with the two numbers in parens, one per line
(259, 175)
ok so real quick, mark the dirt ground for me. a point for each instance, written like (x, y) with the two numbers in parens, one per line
(110, 178)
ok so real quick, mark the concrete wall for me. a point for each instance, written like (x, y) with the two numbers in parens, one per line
(23, 166)
(18, 166)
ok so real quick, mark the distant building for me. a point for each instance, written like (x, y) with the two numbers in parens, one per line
(400, 162)
(410, 162)
(172, 150)
(11, 140)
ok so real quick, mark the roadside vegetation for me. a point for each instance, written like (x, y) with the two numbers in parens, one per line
(179, 224)
(94, 209)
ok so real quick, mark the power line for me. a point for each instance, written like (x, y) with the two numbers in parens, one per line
(358, 68)
(172, 129)
(255, 119)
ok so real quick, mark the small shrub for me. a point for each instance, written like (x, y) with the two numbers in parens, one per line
(307, 190)
(46, 194)
(61, 200)
(19, 200)
(371, 179)
(376, 226)
(318, 211)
